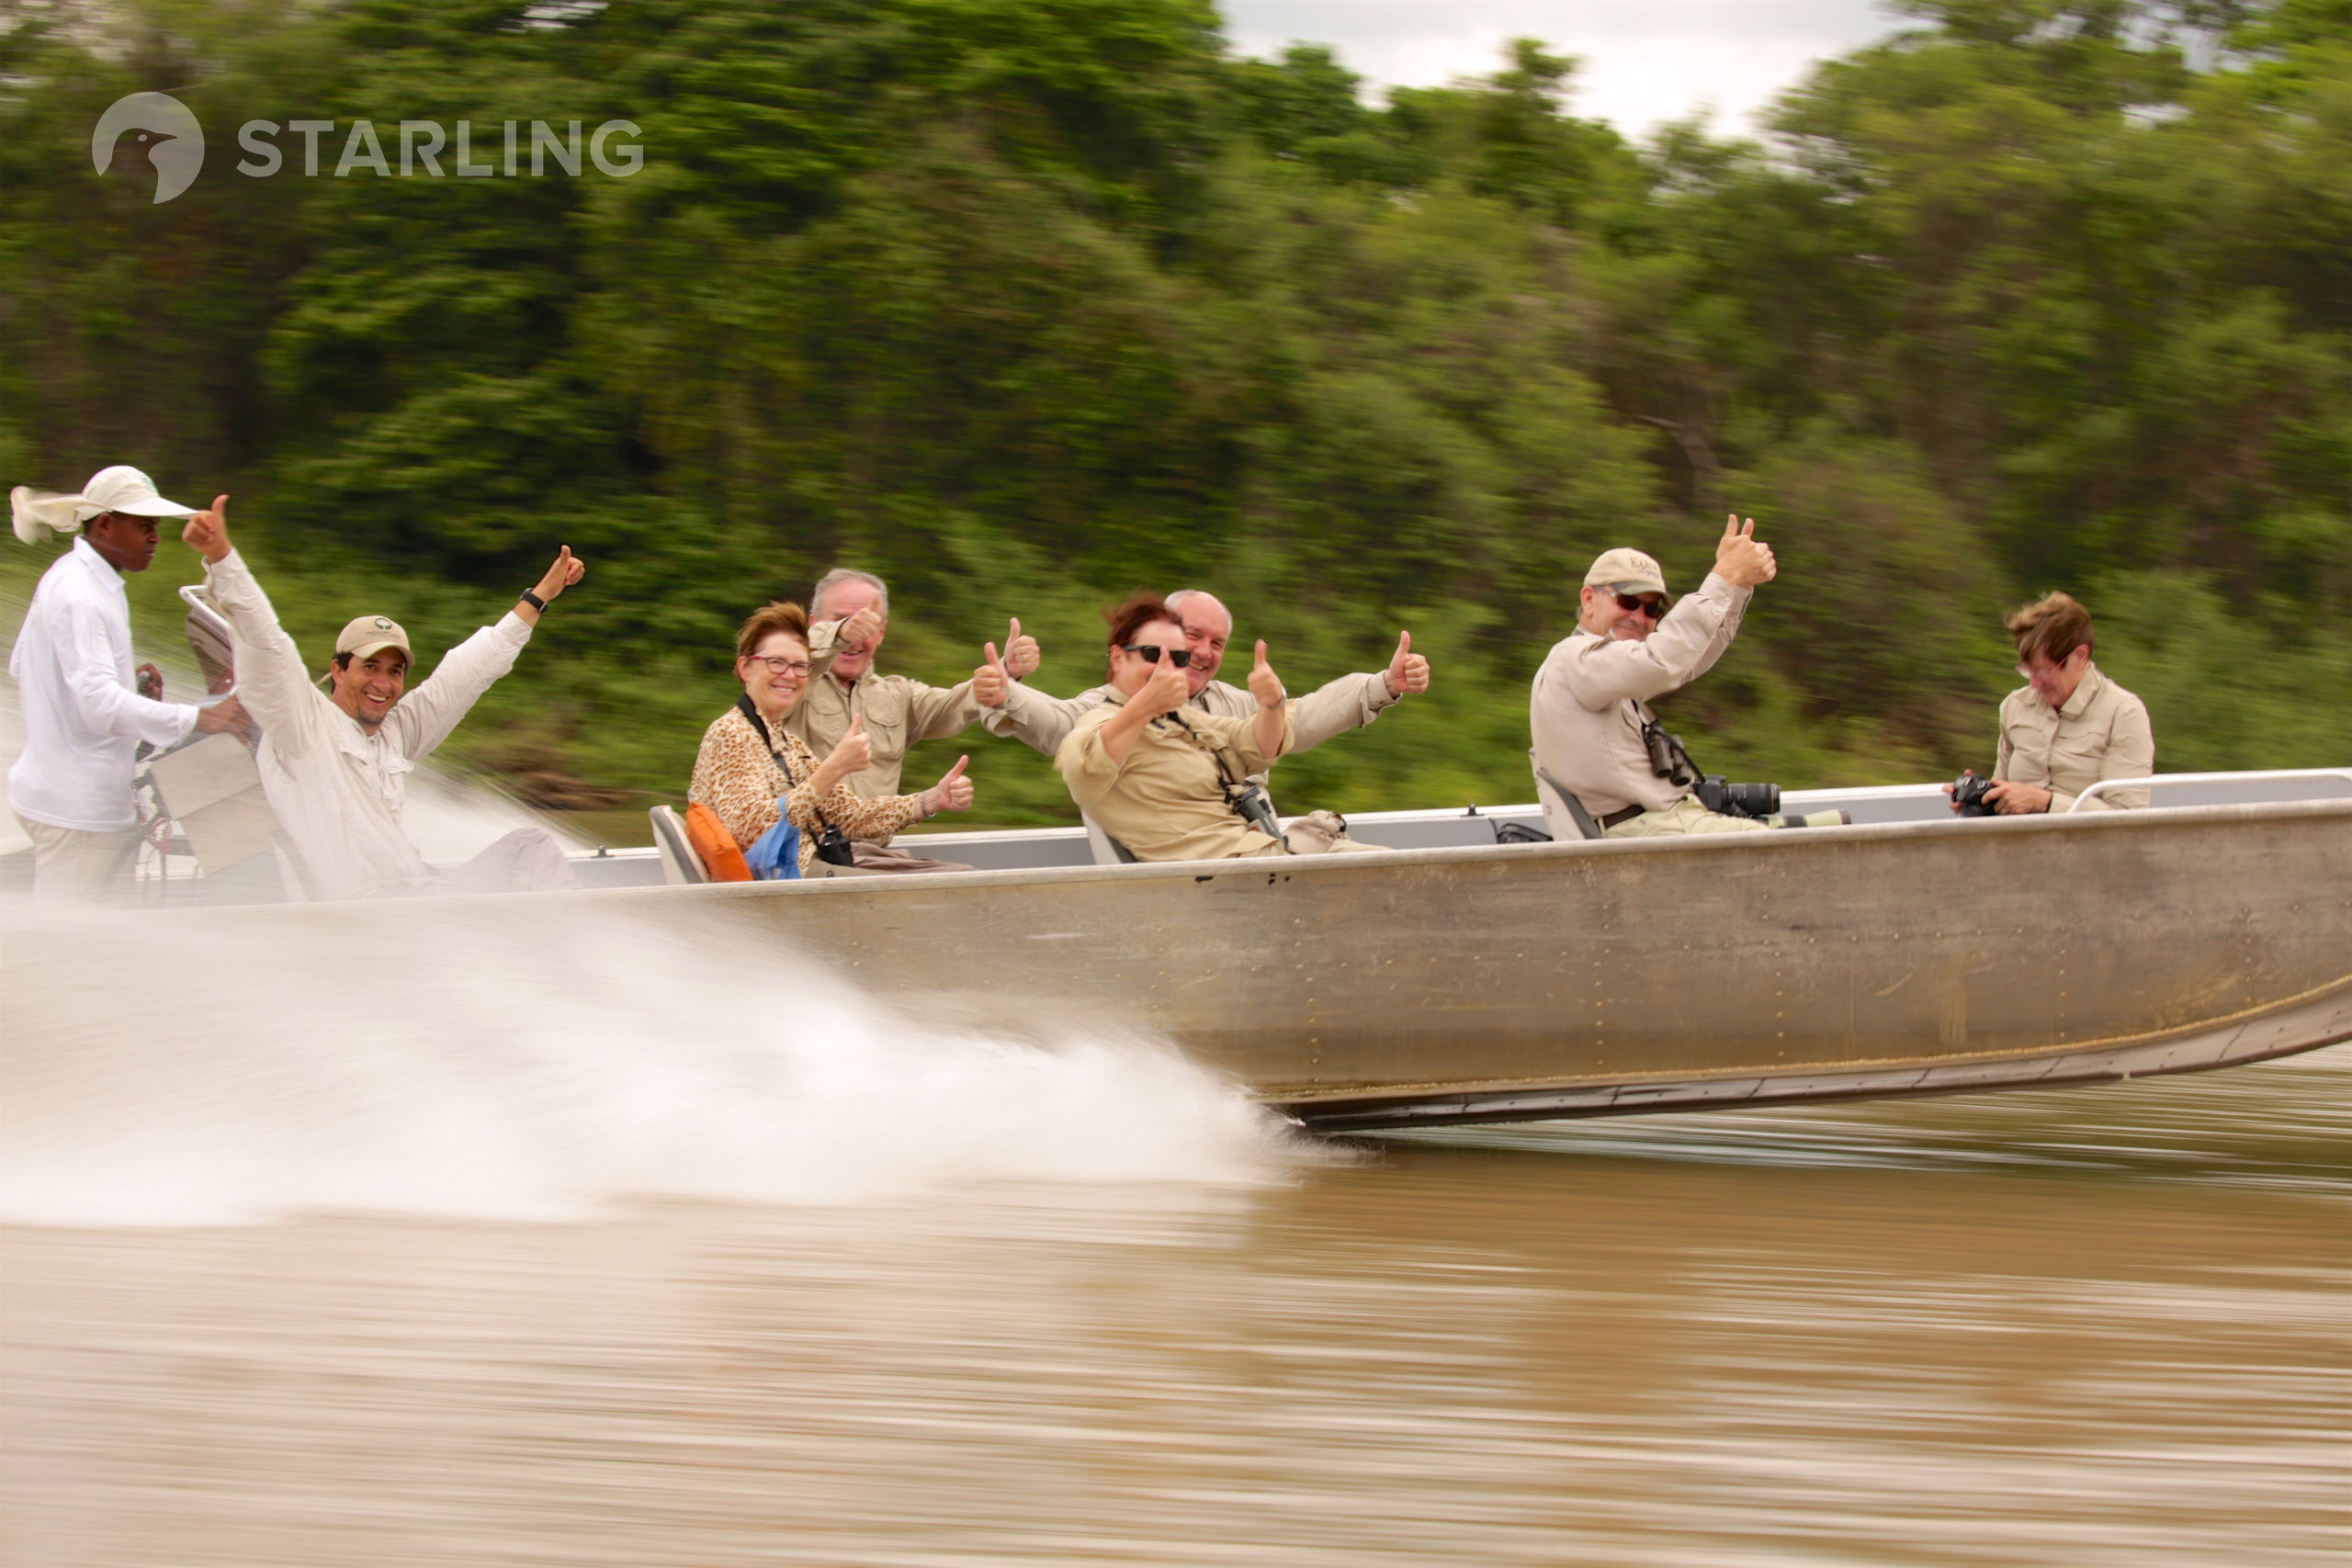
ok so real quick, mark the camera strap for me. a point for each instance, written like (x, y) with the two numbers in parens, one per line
(1236, 788)
(744, 706)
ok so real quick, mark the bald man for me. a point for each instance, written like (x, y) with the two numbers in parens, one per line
(1351, 701)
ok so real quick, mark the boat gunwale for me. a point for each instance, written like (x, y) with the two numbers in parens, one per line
(1814, 839)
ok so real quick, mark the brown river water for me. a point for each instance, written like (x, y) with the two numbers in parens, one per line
(441, 1290)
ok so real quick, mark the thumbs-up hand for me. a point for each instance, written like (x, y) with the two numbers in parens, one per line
(1264, 685)
(1021, 653)
(952, 792)
(990, 682)
(859, 630)
(1741, 558)
(1408, 670)
(1166, 690)
(208, 531)
(854, 755)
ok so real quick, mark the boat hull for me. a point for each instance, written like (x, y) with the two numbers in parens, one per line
(1548, 980)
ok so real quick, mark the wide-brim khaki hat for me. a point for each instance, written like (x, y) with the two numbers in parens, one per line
(370, 635)
(1628, 570)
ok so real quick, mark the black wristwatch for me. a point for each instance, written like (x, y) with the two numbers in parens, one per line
(535, 602)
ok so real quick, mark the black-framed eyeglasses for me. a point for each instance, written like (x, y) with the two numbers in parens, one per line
(1180, 657)
(1650, 604)
(776, 666)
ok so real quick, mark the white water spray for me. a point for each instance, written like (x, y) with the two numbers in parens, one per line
(533, 1059)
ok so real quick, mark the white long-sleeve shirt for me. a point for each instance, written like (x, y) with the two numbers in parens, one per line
(1586, 711)
(338, 790)
(77, 691)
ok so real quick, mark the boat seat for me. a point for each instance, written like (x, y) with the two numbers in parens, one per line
(1107, 849)
(680, 865)
(1563, 812)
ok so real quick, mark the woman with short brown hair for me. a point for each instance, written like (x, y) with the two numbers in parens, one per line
(2069, 725)
(749, 760)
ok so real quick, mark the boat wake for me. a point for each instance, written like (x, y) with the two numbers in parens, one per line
(477, 1058)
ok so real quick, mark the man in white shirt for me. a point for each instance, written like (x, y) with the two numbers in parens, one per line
(84, 717)
(335, 763)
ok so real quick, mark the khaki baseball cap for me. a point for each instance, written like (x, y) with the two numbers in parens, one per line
(1628, 569)
(370, 635)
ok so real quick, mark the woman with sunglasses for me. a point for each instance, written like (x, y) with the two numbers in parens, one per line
(1154, 774)
(749, 760)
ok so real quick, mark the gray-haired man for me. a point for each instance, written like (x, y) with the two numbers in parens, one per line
(849, 614)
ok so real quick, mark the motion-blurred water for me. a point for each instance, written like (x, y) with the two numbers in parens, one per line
(519, 1233)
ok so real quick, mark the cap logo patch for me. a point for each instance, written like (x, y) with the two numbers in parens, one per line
(382, 624)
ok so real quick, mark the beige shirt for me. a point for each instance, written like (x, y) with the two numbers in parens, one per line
(897, 713)
(1166, 800)
(1349, 703)
(2101, 733)
(740, 780)
(1586, 713)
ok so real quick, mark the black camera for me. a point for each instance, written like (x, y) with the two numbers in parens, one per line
(1761, 801)
(1668, 760)
(1968, 793)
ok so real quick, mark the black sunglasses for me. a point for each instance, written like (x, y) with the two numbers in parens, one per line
(1650, 604)
(1180, 657)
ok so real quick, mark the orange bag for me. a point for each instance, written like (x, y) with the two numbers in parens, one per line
(720, 855)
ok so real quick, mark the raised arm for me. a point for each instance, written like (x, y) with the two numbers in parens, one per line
(271, 680)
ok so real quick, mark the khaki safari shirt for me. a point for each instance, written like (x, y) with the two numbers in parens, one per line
(740, 780)
(897, 713)
(1586, 713)
(1166, 801)
(1349, 703)
(2101, 733)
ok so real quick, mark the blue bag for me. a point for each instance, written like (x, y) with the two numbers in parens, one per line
(776, 857)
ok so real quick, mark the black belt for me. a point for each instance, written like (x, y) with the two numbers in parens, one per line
(1626, 815)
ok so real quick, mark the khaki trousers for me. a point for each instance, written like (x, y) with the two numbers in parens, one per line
(79, 867)
(1322, 833)
(1685, 815)
(889, 857)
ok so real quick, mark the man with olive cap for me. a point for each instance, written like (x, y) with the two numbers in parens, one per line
(84, 713)
(335, 763)
(1634, 641)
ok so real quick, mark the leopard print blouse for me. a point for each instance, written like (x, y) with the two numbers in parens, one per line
(737, 776)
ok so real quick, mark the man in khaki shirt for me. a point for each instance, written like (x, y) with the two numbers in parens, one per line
(1587, 709)
(2069, 725)
(849, 614)
(1351, 701)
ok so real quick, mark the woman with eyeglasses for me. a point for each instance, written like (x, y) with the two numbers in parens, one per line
(749, 760)
(1154, 774)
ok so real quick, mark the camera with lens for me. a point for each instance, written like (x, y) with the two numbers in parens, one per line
(1761, 801)
(1968, 793)
(1668, 760)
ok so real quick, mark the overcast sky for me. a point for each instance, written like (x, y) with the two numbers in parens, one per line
(1644, 62)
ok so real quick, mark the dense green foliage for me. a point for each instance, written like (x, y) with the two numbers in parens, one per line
(1023, 303)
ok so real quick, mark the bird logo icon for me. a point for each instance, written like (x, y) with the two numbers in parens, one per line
(152, 131)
